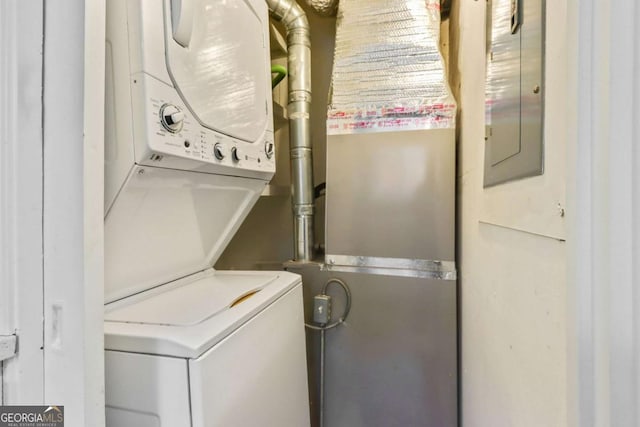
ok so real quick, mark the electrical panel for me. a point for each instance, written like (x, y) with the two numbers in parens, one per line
(514, 93)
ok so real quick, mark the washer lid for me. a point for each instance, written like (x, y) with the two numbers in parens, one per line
(187, 317)
(221, 45)
(166, 224)
(192, 303)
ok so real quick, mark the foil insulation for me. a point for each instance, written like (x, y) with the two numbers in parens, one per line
(324, 7)
(388, 72)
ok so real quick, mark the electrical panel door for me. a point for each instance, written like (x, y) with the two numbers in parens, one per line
(514, 95)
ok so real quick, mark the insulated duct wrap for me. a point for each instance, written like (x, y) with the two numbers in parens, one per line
(388, 73)
(323, 7)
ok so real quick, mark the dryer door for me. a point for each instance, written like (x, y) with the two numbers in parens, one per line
(218, 59)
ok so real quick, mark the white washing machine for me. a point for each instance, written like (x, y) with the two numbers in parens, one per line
(194, 353)
(188, 151)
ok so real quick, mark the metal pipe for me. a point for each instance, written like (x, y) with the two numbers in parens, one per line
(299, 64)
(322, 352)
(323, 329)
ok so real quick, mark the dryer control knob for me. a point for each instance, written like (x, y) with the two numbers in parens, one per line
(269, 149)
(171, 118)
(235, 154)
(218, 151)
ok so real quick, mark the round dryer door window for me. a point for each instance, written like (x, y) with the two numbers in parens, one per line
(217, 57)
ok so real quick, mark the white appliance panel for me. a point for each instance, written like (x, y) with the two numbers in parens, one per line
(222, 45)
(119, 153)
(192, 147)
(166, 224)
(146, 391)
(257, 375)
(145, 22)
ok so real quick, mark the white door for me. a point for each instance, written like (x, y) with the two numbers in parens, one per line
(221, 45)
(21, 172)
(51, 214)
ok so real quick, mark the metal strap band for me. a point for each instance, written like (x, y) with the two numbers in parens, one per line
(431, 269)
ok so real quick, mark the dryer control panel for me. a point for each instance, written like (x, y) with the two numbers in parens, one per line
(169, 136)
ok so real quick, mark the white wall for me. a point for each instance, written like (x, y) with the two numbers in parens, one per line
(511, 248)
(604, 275)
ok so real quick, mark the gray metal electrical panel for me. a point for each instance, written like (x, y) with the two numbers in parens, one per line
(515, 94)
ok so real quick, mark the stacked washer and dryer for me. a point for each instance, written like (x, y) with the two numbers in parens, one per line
(188, 150)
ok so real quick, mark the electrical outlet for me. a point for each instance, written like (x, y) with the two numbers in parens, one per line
(322, 309)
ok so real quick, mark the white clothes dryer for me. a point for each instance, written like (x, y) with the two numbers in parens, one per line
(188, 151)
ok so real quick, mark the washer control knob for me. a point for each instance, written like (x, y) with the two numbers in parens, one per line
(235, 154)
(171, 118)
(218, 151)
(269, 149)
